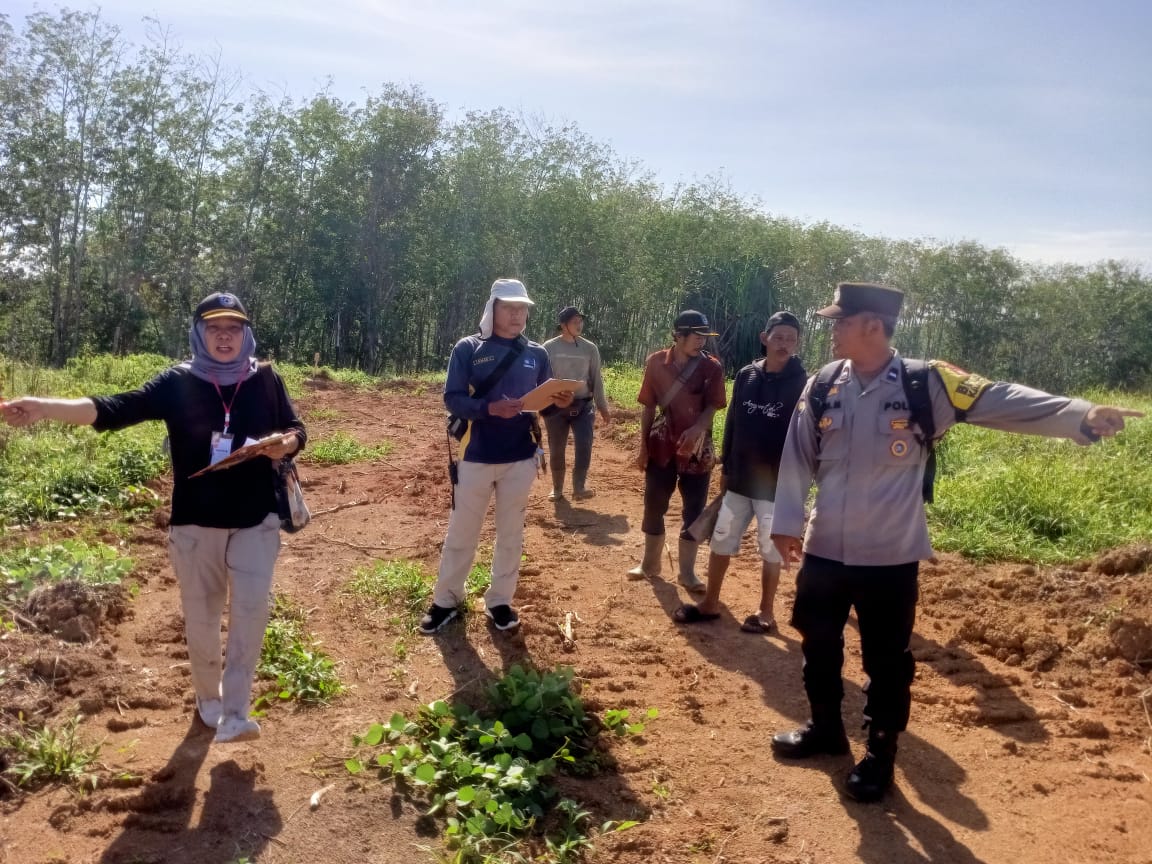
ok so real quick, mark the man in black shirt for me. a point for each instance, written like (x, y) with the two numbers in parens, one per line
(763, 397)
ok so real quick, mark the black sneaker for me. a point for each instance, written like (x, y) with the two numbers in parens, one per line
(504, 617)
(435, 618)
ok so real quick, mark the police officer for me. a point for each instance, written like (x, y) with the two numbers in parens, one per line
(868, 532)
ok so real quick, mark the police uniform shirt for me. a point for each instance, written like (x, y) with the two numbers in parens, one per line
(869, 465)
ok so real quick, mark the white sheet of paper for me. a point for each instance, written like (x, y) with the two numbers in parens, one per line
(541, 397)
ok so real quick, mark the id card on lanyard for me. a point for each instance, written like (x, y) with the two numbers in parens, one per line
(222, 441)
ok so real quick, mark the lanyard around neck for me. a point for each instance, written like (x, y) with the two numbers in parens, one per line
(227, 405)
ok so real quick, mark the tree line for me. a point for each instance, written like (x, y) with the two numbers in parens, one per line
(135, 179)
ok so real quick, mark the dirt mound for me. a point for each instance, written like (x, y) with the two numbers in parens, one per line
(1134, 559)
(73, 610)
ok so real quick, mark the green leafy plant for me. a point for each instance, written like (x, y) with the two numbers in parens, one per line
(616, 719)
(488, 774)
(48, 755)
(96, 564)
(293, 659)
(340, 448)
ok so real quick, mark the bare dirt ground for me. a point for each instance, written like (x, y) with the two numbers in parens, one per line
(1029, 739)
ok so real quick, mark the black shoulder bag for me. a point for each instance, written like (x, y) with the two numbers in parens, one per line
(458, 426)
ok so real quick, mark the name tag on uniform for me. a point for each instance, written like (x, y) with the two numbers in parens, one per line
(221, 446)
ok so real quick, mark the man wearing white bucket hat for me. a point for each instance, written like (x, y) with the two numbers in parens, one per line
(488, 375)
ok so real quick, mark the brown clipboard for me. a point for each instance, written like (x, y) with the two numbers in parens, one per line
(248, 451)
(541, 397)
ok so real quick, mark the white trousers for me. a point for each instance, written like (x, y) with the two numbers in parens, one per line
(210, 564)
(512, 483)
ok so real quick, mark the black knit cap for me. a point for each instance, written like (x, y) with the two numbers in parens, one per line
(852, 298)
(221, 305)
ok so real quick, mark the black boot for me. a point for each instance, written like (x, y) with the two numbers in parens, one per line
(824, 733)
(872, 776)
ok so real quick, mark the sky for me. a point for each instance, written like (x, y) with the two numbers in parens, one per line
(1017, 124)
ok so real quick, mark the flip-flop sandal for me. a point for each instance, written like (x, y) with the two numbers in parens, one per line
(756, 624)
(689, 613)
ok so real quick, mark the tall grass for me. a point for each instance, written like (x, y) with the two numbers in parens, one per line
(1024, 498)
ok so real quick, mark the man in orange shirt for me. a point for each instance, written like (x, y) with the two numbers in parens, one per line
(683, 388)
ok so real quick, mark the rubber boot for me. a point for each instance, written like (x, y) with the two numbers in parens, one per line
(557, 492)
(872, 776)
(650, 567)
(686, 558)
(823, 734)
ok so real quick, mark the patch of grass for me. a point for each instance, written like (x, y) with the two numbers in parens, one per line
(292, 658)
(406, 586)
(47, 755)
(490, 775)
(324, 414)
(54, 472)
(340, 448)
(22, 569)
(1024, 498)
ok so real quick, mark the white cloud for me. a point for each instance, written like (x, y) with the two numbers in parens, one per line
(1086, 247)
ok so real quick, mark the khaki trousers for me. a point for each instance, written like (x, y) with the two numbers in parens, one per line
(211, 564)
(512, 483)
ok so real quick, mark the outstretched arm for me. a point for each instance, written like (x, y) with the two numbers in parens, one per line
(30, 409)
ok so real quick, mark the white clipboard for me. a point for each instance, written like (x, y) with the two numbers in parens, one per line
(541, 397)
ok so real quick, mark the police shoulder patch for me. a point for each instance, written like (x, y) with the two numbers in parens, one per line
(963, 388)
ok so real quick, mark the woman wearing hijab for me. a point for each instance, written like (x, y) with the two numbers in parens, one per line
(225, 528)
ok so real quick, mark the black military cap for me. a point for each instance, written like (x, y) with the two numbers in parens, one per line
(853, 298)
(221, 305)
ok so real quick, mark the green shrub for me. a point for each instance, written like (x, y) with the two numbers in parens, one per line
(489, 774)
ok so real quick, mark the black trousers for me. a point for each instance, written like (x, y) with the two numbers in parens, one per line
(660, 481)
(885, 600)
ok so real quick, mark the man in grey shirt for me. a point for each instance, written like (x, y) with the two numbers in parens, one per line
(855, 430)
(575, 358)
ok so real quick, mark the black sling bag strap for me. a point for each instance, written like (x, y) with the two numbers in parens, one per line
(479, 391)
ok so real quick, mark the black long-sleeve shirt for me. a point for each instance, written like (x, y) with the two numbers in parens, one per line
(237, 497)
(757, 425)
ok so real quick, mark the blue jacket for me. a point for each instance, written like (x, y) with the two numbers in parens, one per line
(494, 440)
